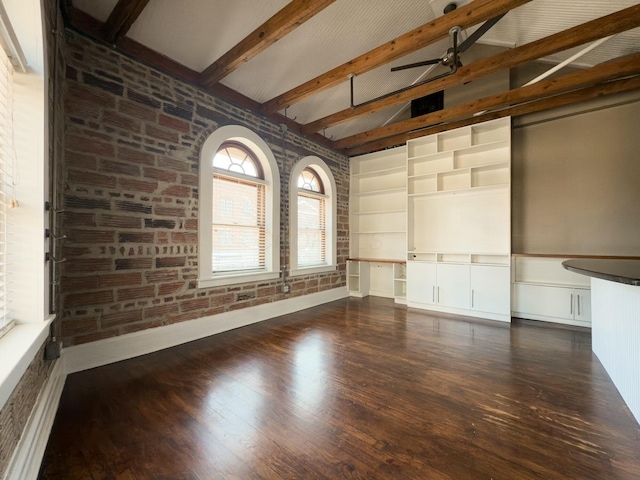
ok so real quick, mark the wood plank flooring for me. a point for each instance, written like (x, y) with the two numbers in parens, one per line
(348, 390)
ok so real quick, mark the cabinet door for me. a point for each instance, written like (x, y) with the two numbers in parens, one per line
(421, 282)
(453, 285)
(491, 289)
(582, 308)
(544, 300)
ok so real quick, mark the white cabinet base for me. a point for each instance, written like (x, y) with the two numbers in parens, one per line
(446, 288)
(464, 312)
(556, 304)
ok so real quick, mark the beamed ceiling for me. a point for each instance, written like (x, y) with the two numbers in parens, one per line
(290, 61)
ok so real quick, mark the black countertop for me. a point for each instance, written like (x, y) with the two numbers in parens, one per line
(621, 271)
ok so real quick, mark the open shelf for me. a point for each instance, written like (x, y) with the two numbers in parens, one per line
(379, 163)
(380, 212)
(383, 191)
(383, 171)
(489, 259)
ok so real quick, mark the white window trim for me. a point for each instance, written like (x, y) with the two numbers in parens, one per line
(242, 135)
(19, 347)
(30, 306)
(330, 193)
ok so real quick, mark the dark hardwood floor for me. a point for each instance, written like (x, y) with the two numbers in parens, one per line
(352, 389)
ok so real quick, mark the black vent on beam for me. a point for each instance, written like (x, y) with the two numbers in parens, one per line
(430, 103)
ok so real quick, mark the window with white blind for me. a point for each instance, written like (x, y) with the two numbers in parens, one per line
(238, 233)
(313, 217)
(7, 187)
(312, 236)
(239, 199)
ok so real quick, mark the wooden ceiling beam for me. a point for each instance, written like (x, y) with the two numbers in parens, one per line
(466, 16)
(587, 32)
(282, 23)
(570, 98)
(623, 67)
(123, 15)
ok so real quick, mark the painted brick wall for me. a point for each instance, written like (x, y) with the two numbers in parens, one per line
(133, 137)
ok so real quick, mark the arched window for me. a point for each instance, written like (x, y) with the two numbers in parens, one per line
(239, 209)
(313, 217)
(238, 242)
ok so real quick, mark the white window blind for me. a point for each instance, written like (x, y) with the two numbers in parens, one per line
(7, 184)
(238, 230)
(311, 230)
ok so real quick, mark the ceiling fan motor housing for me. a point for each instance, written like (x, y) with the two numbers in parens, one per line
(450, 8)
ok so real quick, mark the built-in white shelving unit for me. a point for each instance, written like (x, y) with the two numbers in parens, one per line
(458, 221)
(430, 222)
(378, 223)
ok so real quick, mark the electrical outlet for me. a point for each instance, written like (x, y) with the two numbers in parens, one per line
(285, 288)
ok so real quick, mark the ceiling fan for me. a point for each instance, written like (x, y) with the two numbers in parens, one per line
(451, 58)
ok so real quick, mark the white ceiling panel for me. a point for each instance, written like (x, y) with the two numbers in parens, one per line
(541, 18)
(198, 32)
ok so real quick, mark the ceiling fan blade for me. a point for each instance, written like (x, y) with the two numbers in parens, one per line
(434, 61)
(475, 36)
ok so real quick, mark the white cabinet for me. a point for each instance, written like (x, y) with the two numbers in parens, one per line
(543, 290)
(452, 288)
(490, 289)
(421, 283)
(553, 303)
(464, 289)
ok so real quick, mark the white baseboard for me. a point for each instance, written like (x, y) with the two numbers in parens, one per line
(110, 350)
(544, 318)
(27, 458)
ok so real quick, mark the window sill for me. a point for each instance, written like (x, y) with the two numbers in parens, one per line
(18, 348)
(311, 270)
(236, 279)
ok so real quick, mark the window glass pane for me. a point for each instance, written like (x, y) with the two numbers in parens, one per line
(309, 180)
(311, 231)
(236, 159)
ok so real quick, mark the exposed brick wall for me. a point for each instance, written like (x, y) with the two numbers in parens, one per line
(133, 138)
(16, 412)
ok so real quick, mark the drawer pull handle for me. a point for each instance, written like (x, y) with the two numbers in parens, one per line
(571, 311)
